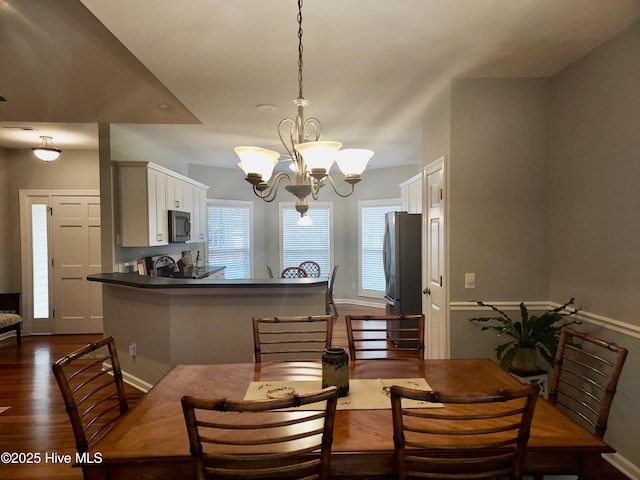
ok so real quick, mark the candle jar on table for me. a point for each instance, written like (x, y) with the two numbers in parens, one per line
(335, 369)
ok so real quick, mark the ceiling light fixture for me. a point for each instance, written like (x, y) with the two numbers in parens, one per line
(47, 151)
(312, 158)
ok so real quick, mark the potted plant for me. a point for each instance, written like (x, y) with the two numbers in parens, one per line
(530, 334)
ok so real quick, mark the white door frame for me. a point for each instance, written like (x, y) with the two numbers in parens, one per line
(25, 199)
(437, 336)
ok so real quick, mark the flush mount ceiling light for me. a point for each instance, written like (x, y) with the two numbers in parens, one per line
(312, 159)
(47, 151)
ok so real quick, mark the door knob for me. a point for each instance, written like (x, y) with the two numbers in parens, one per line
(427, 291)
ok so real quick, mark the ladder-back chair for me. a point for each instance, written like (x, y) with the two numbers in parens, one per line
(584, 379)
(472, 437)
(93, 392)
(248, 439)
(386, 336)
(291, 338)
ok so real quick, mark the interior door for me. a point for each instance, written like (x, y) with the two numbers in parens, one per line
(434, 267)
(76, 254)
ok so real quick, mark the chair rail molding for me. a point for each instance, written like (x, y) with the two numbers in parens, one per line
(583, 315)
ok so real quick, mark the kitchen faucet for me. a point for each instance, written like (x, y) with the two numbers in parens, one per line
(164, 257)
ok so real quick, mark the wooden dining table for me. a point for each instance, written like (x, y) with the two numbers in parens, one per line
(150, 441)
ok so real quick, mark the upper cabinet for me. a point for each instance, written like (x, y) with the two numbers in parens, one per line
(199, 215)
(147, 193)
(411, 194)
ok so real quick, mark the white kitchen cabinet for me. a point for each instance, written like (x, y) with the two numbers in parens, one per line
(143, 205)
(411, 194)
(199, 215)
(175, 199)
(147, 193)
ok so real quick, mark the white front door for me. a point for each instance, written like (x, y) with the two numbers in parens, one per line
(76, 254)
(434, 267)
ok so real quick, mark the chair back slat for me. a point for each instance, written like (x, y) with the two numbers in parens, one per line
(471, 437)
(585, 377)
(266, 439)
(93, 393)
(291, 338)
(385, 336)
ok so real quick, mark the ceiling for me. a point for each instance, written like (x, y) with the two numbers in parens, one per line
(189, 75)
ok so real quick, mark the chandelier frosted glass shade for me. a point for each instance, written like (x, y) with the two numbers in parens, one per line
(47, 151)
(257, 163)
(353, 161)
(318, 156)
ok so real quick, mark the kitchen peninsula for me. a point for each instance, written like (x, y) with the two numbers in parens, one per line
(159, 322)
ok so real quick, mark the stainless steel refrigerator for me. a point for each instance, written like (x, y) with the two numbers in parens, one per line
(402, 256)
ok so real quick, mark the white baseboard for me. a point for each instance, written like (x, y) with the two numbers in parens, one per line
(624, 465)
(361, 303)
(136, 382)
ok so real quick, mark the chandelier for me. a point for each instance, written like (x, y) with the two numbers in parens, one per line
(312, 158)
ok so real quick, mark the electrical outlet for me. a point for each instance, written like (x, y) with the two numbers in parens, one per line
(132, 350)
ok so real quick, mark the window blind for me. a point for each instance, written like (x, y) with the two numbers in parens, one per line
(306, 242)
(229, 238)
(371, 246)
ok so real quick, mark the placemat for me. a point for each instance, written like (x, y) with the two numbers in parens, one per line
(364, 394)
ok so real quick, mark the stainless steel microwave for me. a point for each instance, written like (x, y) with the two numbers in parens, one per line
(179, 226)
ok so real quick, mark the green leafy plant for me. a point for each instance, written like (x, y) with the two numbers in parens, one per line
(541, 332)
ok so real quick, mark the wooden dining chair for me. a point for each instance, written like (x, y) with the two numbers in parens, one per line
(291, 338)
(293, 272)
(385, 336)
(311, 268)
(248, 439)
(90, 381)
(10, 318)
(329, 302)
(584, 379)
(472, 437)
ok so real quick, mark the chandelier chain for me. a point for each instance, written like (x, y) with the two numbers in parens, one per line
(300, 49)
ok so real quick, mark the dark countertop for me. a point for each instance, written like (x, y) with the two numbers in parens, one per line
(149, 282)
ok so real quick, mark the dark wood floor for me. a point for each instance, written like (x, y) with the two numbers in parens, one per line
(37, 423)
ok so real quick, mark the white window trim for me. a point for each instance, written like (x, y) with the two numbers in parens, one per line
(329, 205)
(219, 202)
(363, 204)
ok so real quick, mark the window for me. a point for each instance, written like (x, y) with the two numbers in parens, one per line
(306, 242)
(372, 214)
(230, 236)
(40, 252)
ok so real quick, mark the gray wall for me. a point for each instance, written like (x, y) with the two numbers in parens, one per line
(593, 180)
(595, 203)
(544, 202)
(6, 265)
